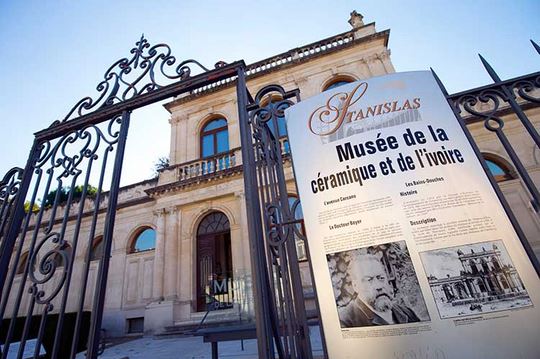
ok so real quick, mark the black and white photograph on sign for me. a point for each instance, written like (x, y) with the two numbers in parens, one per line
(473, 279)
(376, 285)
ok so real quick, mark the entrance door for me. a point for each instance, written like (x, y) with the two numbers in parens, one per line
(214, 263)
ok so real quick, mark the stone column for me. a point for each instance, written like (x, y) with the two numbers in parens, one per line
(384, 57)
(185, 267)
(171, 254)
(375, 65)
(364, 67)
(244, 275)
(159, 218)
(174, 140)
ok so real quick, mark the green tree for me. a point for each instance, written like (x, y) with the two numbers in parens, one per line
(161, 164)
(48, 201)
(63, 196)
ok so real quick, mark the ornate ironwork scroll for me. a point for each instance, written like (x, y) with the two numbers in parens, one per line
(493, 103)
(73, 175)
(9, 189)
(149, 68)
(68, 178)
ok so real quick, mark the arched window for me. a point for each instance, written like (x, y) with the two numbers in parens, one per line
(338, 81)
(214, 262)
(144, 240)
(498, 167)
(277, 124)
(214, 138)
(300, 232)
(22, 263)
(215, 222)
(97, 249)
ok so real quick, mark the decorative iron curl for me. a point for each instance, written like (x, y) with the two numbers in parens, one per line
(9, 185)
(47, 267)
(260, 115)
(490, 97)
(260, 118)
(9, 188)
(269, 89)
(71, 149)
(525, 88)
(276, 232)
(153, 64)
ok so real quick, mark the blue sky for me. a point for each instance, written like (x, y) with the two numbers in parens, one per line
(52, 53)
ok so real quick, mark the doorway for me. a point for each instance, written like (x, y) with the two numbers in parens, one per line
(214, 263)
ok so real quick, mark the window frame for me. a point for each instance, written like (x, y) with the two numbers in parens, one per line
(213, 132)
(131, 248)
(97, 241)
(335, 79)
(509, 173)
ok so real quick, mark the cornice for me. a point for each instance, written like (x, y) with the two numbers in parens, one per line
(179, 185)
(295, 60)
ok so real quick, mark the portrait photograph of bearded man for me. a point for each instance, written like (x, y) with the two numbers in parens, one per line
(376, 285)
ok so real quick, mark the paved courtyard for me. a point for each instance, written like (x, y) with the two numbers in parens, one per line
(192, 348)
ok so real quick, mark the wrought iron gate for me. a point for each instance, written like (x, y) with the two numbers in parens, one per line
(274, 230)
(490, 105)
(43, 259)
(63, 159)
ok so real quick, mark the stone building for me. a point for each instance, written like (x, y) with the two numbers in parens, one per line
(175, 232)
(485, 277)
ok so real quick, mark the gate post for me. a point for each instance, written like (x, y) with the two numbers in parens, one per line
(258, 260)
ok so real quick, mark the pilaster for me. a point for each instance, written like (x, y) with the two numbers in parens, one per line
(171, 254)
(159, 261)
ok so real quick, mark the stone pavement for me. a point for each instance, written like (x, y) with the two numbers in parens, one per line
(192, 348)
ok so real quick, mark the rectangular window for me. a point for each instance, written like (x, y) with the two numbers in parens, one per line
(135, 325)
(208, 146)
(222, 141)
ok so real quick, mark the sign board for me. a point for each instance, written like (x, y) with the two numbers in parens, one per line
(413, 255)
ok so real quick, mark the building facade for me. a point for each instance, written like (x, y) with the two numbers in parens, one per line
(484, 275)
(183, 235)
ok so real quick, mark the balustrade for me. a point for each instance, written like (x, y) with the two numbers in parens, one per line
(208, 166)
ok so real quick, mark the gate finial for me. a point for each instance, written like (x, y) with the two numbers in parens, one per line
(490, 70)
(439, 82)
(536, 46)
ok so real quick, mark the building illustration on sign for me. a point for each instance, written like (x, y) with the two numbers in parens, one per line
(484, 281)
